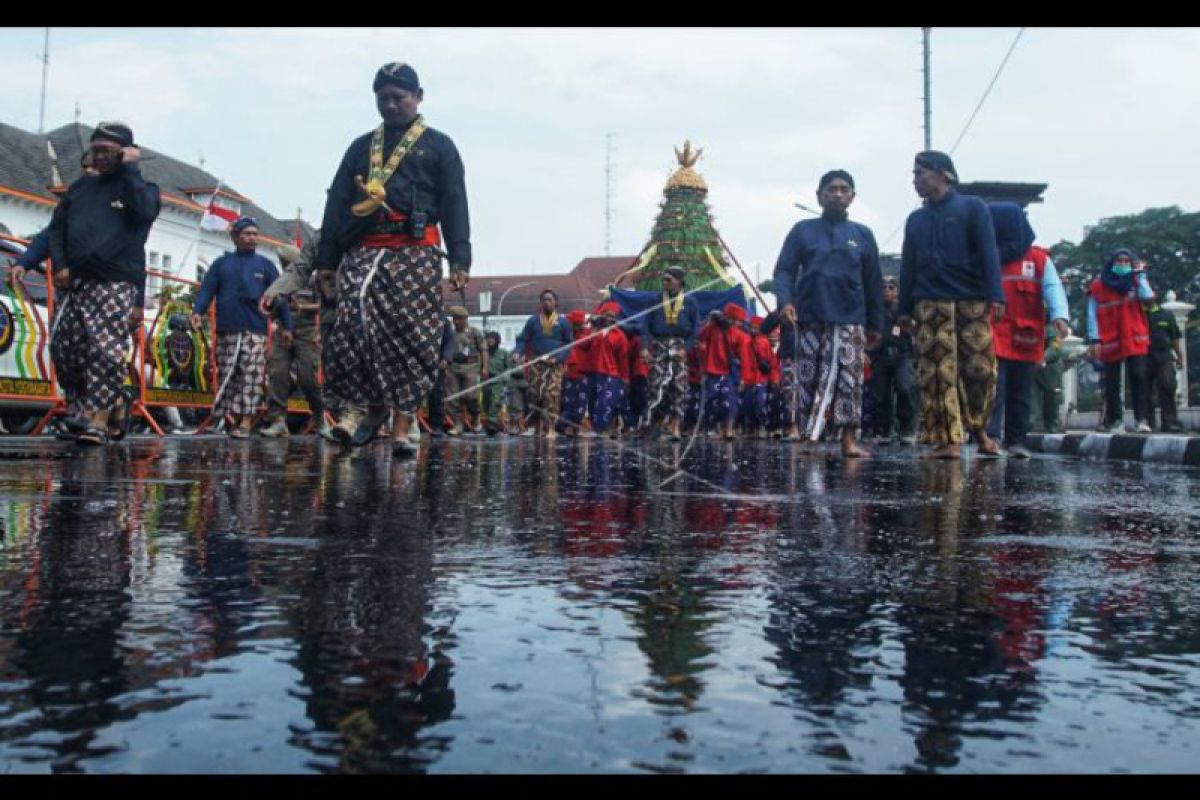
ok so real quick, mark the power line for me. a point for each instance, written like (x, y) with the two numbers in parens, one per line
(987, 91)
(974, 113)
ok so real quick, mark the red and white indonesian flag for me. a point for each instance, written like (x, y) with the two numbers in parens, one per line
(216, 218)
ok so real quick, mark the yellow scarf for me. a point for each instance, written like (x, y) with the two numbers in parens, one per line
(672, 308)
(548, 326)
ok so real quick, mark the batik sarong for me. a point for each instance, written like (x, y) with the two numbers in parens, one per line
(386, 342)
(241, 372)
(545, 388)
(606, 394)
(956, 368)
(691, 413)
(775, 408)
(668, 383)
(829, 377)
(789, 398)
(754, 406)
(574, 404)
(720, 400)
(633, 410)
(90, 345)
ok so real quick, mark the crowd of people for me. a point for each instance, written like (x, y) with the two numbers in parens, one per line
(960, 346)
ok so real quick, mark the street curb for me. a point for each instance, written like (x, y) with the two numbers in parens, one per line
(1161, 449)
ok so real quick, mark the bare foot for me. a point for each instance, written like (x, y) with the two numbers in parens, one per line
(850, 448)
(949, 452)
(987, 445)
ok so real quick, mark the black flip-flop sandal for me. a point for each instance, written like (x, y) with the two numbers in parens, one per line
(403, 449)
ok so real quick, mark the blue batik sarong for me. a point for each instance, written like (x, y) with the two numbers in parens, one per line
(776, 409)
(754, 406)
(574, 404)
(605, 398)
(720, 400)
(691, 408)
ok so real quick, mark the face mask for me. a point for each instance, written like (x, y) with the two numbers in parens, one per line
(1122, 269)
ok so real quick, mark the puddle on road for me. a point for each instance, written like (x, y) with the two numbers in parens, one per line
(199, 605)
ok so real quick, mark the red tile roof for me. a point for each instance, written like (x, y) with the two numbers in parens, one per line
(579, 288)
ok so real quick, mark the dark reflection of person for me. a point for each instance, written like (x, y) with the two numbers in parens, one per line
(221, 570)
(372, 683)
(823, 603)
(1019, 593)
(601, 502)
(534, 466)
(955, 668)
(67, 628)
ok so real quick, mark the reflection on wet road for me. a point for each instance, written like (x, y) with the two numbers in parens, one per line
(204, 605)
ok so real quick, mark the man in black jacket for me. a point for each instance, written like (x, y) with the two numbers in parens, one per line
(98, 248)
(397, 195)
(893, 380)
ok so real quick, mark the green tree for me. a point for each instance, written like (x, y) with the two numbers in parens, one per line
(1168, 239)
(683, 234)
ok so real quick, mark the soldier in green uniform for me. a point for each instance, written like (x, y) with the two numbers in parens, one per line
(495, 394)
(468, 366)
(1166, 357)
(297, 288)
(1048, 387)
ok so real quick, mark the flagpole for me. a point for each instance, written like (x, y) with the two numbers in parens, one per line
(199, 228)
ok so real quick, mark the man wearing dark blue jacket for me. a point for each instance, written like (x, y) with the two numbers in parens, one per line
(950, 284)
(98, 250)
(237, 281)
(670, 329)
(828, 285)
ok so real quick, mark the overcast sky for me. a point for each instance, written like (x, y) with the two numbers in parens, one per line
(1107, 117)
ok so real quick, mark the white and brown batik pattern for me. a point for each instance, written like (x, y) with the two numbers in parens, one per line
(387, 336)
(91, 345)
(545, 385)
(829, 377)
(668, 379)
(243, 391)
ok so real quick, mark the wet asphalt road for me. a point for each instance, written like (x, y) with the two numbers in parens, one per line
(205, 605)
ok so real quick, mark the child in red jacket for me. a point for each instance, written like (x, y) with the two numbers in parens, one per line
(724, 351)
(606, 364)
(574, 392)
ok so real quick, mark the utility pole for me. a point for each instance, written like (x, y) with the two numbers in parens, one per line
(45, 75)
(928, 99)
(608, 165)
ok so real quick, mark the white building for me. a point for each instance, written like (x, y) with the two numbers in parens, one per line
(176, 245)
